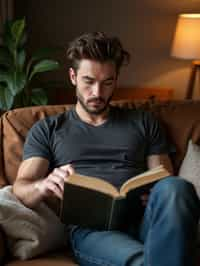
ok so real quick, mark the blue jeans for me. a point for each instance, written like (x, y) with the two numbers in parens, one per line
(167, 235)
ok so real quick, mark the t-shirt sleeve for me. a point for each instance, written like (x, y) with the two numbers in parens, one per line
(157, 141)
(37, 143)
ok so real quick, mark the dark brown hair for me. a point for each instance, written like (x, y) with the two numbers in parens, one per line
(97, 46)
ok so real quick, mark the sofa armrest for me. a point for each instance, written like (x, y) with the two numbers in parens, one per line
(2, 246)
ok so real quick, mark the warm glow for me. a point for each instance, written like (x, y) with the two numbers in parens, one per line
(186, 43)
(190, 15)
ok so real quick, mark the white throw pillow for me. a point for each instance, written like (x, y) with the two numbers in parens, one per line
(190, 167)
(29, 232)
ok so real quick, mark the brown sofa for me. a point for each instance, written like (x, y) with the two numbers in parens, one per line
(181, 120)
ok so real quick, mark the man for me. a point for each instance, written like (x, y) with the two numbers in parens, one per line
(99, 140)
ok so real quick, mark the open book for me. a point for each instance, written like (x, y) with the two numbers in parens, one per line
(94, 203)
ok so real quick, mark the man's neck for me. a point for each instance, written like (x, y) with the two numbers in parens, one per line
(93, 119)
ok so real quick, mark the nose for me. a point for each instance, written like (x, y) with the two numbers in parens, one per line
(96, 90)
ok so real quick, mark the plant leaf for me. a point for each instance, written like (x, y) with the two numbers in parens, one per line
(17, 30)
(21, 57)
(19, 81)
(43, 66)
(39, 96)
(6, 98)
(40, 54)
(23, 40)
(6, 79)
(15, 81)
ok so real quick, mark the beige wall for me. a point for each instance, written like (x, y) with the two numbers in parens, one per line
(145, 27)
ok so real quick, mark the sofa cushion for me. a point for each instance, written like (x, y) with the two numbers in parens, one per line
(29, 232)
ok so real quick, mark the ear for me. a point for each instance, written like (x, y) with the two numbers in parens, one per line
(72, 75)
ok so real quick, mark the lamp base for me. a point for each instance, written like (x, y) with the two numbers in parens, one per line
(190, 88)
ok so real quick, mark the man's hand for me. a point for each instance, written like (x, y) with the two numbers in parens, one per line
(53, 184)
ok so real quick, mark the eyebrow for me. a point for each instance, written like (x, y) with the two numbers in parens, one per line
(87, 77)
(90, 78)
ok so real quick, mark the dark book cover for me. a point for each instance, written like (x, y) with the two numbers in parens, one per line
(91, 208)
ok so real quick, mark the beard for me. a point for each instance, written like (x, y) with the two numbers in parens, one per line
(99, 108)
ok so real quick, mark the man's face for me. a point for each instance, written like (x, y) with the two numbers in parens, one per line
(95, 83)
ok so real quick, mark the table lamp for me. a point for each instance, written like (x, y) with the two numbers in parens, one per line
(186, 45)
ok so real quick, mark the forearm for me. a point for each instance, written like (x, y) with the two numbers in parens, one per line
(31, 190)
(29, 178)
(28, 192)
(156, 160)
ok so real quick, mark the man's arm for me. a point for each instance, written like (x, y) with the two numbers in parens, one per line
(33, 183)
(156, 160)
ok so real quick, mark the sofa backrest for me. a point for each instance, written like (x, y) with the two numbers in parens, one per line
(181, 120)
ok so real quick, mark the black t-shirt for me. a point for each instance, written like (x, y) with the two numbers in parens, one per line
(113, 151)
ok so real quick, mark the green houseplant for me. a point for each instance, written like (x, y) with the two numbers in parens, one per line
(17, 71)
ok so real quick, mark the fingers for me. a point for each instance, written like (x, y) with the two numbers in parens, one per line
(57, 179)
(54, 189)
(68, 168)
(54, 183)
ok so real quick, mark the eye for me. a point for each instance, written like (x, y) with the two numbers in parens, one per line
(108, 83)
(89, 82)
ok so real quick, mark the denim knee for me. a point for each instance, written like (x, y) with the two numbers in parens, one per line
(105, 248)
(176, 192)
(174, 185)
(170, 223)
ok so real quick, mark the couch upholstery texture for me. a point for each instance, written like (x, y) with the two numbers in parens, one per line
(181, 119)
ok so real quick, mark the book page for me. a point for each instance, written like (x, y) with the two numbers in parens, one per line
(93, 183)
(148, 176)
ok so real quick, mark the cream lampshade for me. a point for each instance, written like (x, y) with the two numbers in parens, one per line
(186, 45)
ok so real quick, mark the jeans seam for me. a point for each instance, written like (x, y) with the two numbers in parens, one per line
(148, 251)
(150, 209)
